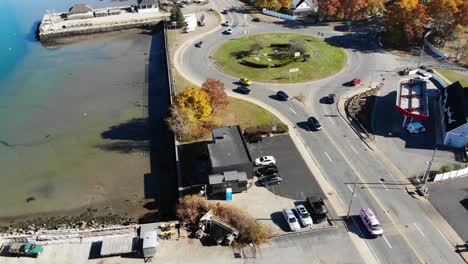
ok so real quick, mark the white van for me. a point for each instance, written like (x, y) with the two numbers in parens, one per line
(370, 221)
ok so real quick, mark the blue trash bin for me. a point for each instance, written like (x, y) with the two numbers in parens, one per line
(228, 194)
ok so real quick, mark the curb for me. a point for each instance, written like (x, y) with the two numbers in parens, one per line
(290, 234)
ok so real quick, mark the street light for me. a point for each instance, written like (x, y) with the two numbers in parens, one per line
(426, 173)
(352, 196)
(422, 47)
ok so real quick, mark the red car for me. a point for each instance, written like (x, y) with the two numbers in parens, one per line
(355, 81)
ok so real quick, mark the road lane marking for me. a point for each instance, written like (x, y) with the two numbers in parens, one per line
(383, 185)
(294, 112)
(349, 188)
(326, 154)
(353, 149)
(388, 243)
(362, 236)
(419, 229)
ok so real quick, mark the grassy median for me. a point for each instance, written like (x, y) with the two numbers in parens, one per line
(455, 76)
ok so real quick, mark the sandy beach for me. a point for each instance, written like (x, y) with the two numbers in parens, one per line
(74, 131)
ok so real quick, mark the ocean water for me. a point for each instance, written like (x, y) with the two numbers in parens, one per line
(56, 105)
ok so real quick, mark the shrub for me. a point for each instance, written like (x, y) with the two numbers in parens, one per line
(445, 168)
(286, 11)
(256, 64)
(191, 208)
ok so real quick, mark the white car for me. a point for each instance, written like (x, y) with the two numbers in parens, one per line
(265, 160)
(227, 24)
(304, 216)
(415, 128)
(291, 219)
(228, 31)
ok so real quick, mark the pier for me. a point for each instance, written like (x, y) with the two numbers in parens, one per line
(81, 19)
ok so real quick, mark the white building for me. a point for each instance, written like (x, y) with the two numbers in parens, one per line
(191, 22)
(145, 6)
(454, 113)
(303, 7)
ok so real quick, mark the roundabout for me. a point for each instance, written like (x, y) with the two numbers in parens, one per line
(270, 57)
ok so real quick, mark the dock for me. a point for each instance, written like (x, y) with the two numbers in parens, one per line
(81, 19)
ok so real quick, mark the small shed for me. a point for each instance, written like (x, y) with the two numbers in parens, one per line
(236, 180)
(150, 242)
(80, 11)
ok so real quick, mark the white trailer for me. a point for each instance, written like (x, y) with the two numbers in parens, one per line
(150, 242)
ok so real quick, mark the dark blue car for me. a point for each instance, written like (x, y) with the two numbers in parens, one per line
(282, 96)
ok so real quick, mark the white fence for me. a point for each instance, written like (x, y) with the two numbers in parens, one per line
(276, 14)
(451, 174)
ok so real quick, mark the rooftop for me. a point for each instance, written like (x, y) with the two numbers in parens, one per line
(228, 147)
(456, 105)
(147, 2)
(80, 8)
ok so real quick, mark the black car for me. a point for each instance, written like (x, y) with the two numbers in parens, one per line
(318, 207)
(256, 19)
(224, 12)
(314, 123)
(274, 179)
(199, 44)
(243, 90)
(282, 96)
(331, 98)
(267, 170)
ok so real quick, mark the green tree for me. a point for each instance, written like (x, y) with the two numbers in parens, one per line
(177, 16)
(256, 46)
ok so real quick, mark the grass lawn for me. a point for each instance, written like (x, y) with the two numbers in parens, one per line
(455, 76)
(324, 61)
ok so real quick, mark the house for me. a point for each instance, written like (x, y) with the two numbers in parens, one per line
(303, 7)
(220, 231)
(145, 6)
(80, 11)
(454, 113)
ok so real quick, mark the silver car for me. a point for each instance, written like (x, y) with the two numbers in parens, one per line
(291, 219)
(303, 215)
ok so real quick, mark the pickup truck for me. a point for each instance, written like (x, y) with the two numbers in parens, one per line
(25, 249)
(319, 210)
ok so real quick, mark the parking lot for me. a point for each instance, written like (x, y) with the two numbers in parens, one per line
(450, 198)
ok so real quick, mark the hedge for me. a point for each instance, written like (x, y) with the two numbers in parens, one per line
(279, 45)
(259, 64)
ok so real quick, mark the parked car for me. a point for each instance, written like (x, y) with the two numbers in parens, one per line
(274, 179)
(267, 170)
(319, 210)
(282, 95)
(245, 81)
(265, 160)
(256, 19)
(415, 128)
(331, 98)
(424, 75)
(355, 81)
(199, 44)
(370, 221)
(226, 23)
(243, 90)
(313, 123)
(303, 215)
(228, 31)
(291, 219)
(253, 138)
(224, 12)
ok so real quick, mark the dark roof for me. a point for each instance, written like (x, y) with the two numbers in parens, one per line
(228, 147)
(147, 2)
(80, 8)
(456, 105)
(228, 176)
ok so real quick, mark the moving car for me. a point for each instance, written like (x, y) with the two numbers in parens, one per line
(331, 98)
(424, 75)
(267, 170)
(243, 90)
(253, 138)
(319, 210)
(274, 179)
(291, 219)
(224, 12)
(370, 221)
(415, 128)
(303, 215)
(199, 44)
(355, 81)
(312, 122)
(228, 31)
(282, 96)
(226, 24)
(256, 19)
(245, 81)
(265, 160)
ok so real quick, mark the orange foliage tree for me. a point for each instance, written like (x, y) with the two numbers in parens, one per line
(196, 101)
(215, 90)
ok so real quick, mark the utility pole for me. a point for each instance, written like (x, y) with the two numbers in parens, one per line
(426, 173)
(352, 196)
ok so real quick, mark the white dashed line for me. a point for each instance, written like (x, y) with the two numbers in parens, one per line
(349, 187)
(386, 241)
(353, 149)
(419, 229)
(326, 154)
(290, 109)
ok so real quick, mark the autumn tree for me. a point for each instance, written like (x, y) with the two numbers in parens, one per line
(274, 5)
(349, 9)
(195, 103)
(262, 3)
(215, 90)
(285, 3)
(445, 17)
(256, 46)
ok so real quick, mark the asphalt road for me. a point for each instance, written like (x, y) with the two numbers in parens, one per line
(410, 236)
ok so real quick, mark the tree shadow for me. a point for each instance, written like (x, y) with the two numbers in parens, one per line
(464, 203)
(303, 125)
(135, 129)
(240, 54)
(364, 42)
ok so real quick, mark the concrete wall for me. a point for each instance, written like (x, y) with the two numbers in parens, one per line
(451, 175)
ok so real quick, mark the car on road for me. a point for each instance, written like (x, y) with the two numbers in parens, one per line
(355, 81)
(282, 96)
(415, 128)
(331, 98)
(245, 81)
(319, 210)
(228, 31)
(274, 179)
(256, 19)
(313, 123)
(265, 160)
(253, 138)
(224, 12)
(243, 89)
(370, 221)
(424, 75)
(267, 170)
(199, 44)
(303, 215)
(291, 219)
(226, 24)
